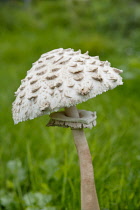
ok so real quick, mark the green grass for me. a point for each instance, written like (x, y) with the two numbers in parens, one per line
(39, 167)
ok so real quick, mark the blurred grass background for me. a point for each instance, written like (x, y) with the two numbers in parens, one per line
(39, 166)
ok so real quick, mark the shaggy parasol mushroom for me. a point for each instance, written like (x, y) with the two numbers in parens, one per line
(63, 78)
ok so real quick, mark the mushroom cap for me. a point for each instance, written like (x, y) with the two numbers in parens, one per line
(62, 78)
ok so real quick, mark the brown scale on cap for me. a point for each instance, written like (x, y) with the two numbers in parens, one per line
(113, 78)
(57, 84)
(64, 61)
(51, 76)
(32, 97)
(98, 78)
(73, 64)
(22, 87)
(55, 69)
(39, 67)
(35, 89)
(52, 93)
(61, 53)
(33, 82)
(22, 95)
(84, 91)
(70, 83)
(105, 70)
(23, 80)
(78, 77)
(80, 60)
(68, 94)
(102, 63)
(44, 106)
(29, 77)
(76, 70)
(117, 70)
(60, 89)
(58, 59)
(93, 69)
(49, 57)
(92, 62)
(71, 54)
(19, 102)
(41, 73)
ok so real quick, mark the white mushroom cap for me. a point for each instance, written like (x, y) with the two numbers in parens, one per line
(62, 78)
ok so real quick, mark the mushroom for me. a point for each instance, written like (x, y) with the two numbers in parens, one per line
(63, 78)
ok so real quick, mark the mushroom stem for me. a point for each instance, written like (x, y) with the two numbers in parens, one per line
(89, 200)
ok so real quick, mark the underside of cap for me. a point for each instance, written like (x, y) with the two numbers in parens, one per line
(62, 78)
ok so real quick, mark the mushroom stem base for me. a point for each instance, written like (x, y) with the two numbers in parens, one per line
(89, 200)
